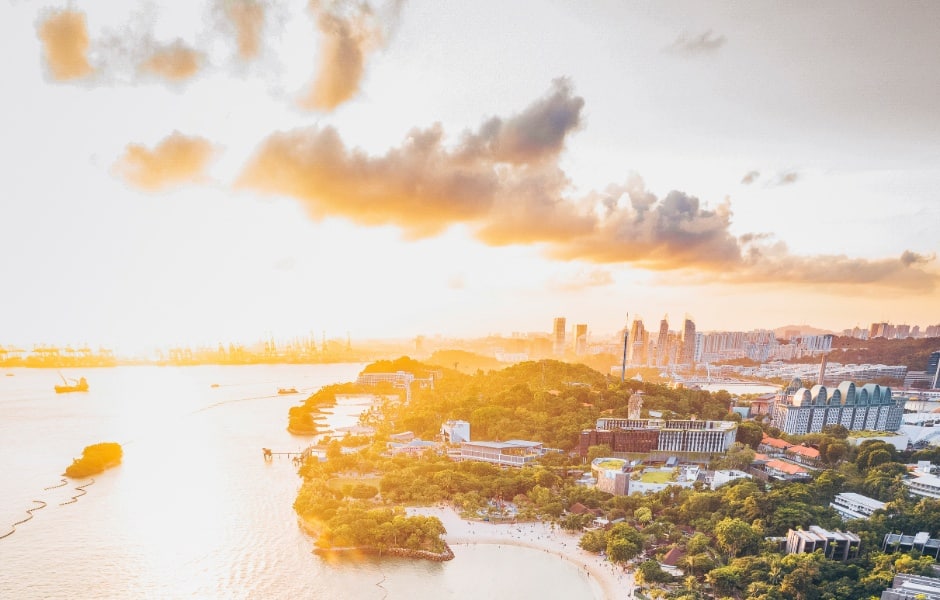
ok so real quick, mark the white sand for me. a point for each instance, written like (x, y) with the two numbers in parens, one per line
(609, 581)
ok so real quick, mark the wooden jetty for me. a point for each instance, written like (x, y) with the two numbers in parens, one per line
(295, 456)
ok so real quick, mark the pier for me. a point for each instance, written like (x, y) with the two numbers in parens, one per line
(297, 457)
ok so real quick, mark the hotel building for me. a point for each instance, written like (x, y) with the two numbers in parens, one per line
(798, 410)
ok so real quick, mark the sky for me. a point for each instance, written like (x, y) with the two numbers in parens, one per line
(228, 170)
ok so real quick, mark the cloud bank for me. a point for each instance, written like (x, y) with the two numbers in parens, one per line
(503, 181)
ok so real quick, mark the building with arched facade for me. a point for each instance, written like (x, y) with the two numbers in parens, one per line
(798, 410)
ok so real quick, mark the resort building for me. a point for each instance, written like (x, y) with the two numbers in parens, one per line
(912, 587)
(921, 542)
(719, 478)
(649, 435)
(612, 475)
(456, 432)
(514, 453)
(850, 505)
(835, 545)
(798, 410)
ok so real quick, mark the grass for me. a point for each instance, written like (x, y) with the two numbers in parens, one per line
(614, 463)
(656, 477)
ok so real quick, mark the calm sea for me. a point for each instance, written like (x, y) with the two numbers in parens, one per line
(194, 511)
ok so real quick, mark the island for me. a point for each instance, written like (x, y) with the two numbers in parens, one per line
(95, 459)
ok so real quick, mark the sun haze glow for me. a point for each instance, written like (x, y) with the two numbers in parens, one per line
(217, 171)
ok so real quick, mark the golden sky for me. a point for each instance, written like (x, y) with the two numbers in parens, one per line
(225, 170)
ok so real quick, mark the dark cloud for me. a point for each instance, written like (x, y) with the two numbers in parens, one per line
(64, 36)
(750, 177)
(349, 32)
(175, 160)
(503, 182)
(696, 44)
(536, 133)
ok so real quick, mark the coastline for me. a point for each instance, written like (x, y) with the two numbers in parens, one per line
(608, 581)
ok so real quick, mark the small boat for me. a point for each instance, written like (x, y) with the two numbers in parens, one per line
(214, 385)
(80, 385)
(287, 390)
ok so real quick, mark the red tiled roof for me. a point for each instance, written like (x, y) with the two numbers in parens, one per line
(673, 556)
(804, 451)
(788, 468)
(579, 509)
(775, 443)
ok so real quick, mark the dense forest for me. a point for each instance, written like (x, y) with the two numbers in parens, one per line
(728, 537)
(911, 353)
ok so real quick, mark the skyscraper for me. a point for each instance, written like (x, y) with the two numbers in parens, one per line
(558, 337)
(580, 338)
(688, 344)
(662, 354)
(638, 340)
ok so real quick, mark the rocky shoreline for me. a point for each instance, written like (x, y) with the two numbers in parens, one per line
(444, 556)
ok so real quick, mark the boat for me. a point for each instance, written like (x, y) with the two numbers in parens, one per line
(214, 385)
(287, 390)
(71, 385)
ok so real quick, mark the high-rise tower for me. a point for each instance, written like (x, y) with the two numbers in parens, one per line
(688, 344)
(558, 336)
(662, 342)
(580, 338)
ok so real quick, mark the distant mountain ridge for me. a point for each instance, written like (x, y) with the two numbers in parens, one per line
(781, 332)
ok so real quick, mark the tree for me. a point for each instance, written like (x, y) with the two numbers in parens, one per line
(599, 451)
(733, 535)
(750, 434)
(621, 549)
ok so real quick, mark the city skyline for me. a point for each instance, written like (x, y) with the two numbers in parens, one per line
(225, 171)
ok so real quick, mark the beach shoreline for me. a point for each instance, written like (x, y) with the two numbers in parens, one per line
(608, 581)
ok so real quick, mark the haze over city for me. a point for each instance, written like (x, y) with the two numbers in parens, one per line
(216, 171)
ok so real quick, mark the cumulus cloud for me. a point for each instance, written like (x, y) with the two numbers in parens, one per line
(349, 32)
(173, 62)
(175, 160)
(773, 263)
(245, 19)
(688, 44)
(504, 183)
(750, 177)
(64, 36)
(424, 186)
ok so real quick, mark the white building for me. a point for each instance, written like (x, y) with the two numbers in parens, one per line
(456, 432)
(514, 453)
(798, 410)
(850, 505)
(722, 477)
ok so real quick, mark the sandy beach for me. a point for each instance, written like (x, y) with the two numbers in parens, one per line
(608, 580)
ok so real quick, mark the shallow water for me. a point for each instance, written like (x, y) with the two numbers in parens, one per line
(194, 510)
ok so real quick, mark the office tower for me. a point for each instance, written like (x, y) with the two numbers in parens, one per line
(638, 339)
(558, 337)
(687, 355)
(661, 342)
(580, 338)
